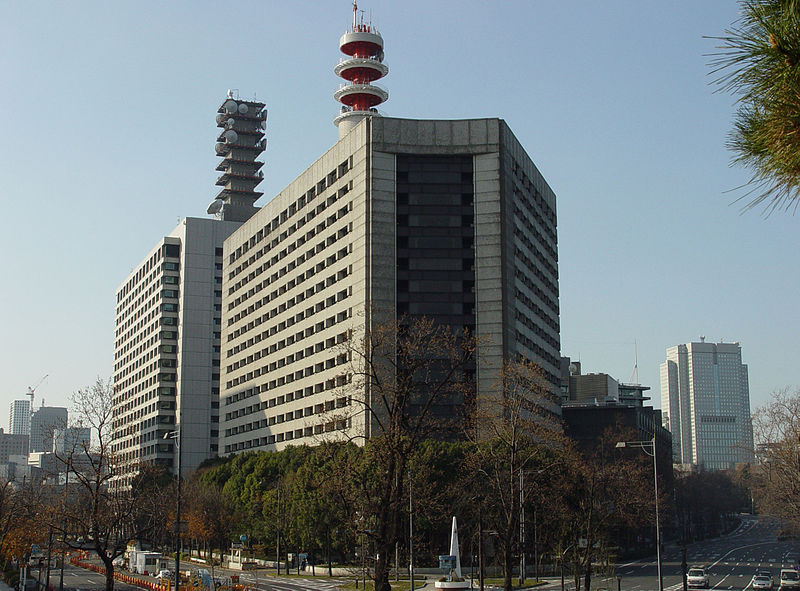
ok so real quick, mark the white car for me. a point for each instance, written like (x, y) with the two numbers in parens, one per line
(790, 579)
(697, 577)
(762, 581)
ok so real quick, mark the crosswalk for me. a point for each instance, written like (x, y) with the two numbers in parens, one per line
(293, 584)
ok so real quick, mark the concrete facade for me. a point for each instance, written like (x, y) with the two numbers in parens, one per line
(319, 264)
(45, 421)
(705, 395)
(12, 444)
(166, 350)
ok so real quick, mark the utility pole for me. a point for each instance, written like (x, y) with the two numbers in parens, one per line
(278, 527)
(410, 533)
(521, 527)
(177, 436)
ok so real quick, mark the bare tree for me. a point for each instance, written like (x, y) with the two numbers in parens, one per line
(776, 479)
(96, 514)
(409, 379)
(604, 491)
(518, 447)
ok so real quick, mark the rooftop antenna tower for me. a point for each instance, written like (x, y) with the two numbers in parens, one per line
(241, 139)
(364, 65)
(635, 376)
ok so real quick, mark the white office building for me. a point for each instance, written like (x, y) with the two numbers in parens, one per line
(166, 348)
(19, 421)
(168, 315)
(705, 401)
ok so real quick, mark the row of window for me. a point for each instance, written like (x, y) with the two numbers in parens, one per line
(320, 408)
(316, 430)
(132, 362)
(164, 335)
(544, 262)
(318, 229)
(287, 213)
(538, 351)
(133, 326)
(541, 205)
(548, 247)
(535, 271)
(298, 374)
(165, 294)
(331, 239)
(130, 313)
(144, 310)
(309, 292)
(300, 278)
(280, 344)
(534, 326)
(167, 250)
(546, 316)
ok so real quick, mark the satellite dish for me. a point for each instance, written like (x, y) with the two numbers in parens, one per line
(231, 136)
(215, 207)
(243, 108)
(263, 125)
(231, 122)
(220, 118)
(220, 148)
(263, 114)
(230, 106)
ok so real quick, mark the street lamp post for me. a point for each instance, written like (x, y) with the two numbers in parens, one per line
(177, 436)
(651, 445)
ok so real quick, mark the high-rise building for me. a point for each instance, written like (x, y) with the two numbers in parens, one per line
(72, 440)
(705, 399)
(168, 310)
(44, 422)
(19, 422)
(445, 219)
(166, 353)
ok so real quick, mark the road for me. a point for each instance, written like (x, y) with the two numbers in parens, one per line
(76, 578)
(730, 560)
(273, 583)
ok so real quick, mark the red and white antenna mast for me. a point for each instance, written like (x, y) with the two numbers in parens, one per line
(364, 65)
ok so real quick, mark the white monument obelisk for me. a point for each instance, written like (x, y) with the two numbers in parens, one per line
(454, 580)
(454, 547)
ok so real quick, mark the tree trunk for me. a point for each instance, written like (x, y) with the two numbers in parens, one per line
(587, 578)
(328, 550)
(109, 573)
(382, 569)
(508, 567)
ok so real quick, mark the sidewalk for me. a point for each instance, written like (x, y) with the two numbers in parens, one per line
(5, 586)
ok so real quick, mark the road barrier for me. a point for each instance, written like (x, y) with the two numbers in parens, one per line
(144, 583)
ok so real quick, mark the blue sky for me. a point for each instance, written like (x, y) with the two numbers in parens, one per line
(108, 113)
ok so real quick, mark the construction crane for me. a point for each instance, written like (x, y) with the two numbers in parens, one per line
(32, 389)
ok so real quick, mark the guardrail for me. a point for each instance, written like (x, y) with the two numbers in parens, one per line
(144, 583)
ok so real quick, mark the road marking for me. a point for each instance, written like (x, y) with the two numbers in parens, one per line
(720, 583)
